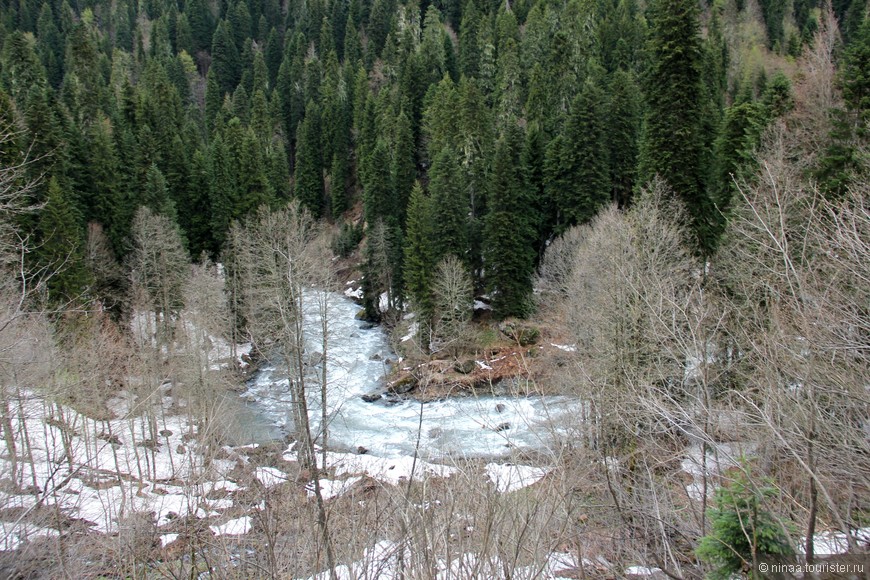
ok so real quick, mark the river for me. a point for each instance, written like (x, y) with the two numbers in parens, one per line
(483, 426)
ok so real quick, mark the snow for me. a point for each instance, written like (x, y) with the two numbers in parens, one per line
(381, 561)
(508, 477)
(356, 294)
(641, 571)
(237, 527)
(720, 457)
(565, 347)
(13, 536)
(391, 470)
(269, 476)
(412, 332)
(832, 543)
(166, 539)
(330, 488)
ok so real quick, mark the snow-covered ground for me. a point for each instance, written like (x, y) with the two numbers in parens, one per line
(101, 471)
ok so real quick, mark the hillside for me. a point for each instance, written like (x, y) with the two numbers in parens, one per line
(610, 260)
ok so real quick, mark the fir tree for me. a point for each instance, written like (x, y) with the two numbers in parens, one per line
(309, 162)
(672, 144)
(420, 257)
(509, 255)
(61, 247)
(226, 62)
(623, 127)
(451, 206)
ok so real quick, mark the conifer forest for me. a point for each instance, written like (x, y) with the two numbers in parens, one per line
(434, 289)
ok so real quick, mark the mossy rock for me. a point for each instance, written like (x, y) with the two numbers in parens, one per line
(464, 367)
(523, 333)
(403, 385)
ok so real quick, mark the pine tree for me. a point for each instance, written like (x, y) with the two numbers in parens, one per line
(222, 191)
(673, 145)
(509, 235)
(156, 194)
(403, 167)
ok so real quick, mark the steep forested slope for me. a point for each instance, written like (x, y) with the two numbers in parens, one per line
(518, 119)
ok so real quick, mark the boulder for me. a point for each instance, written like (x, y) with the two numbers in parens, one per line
(371, 397)
(523, 333)
(464, 367)
(402, 385)
(502, 427)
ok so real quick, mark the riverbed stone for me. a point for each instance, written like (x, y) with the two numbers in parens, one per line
(403, 385)
(371, 397)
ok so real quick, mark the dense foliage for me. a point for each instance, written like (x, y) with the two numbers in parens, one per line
(518, 120)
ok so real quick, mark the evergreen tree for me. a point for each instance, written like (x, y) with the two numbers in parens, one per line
(61, 247)
(195, 219)
(156, 194)
(309, 162)
(672, 144)
(577, 169)
(509, 235)
(378, 200)
(451, 206)
(623, 127)
(226, 62)
(222, 191)
(403, 167)
(420, 257)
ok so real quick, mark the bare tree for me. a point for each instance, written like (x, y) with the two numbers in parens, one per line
(453, 298)
(281, 264)
(631, 292)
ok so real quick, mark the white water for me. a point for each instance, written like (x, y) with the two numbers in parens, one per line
(457, 427)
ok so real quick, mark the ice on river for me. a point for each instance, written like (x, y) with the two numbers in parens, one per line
(358, 360)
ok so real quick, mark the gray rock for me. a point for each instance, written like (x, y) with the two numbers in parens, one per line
(371, 397)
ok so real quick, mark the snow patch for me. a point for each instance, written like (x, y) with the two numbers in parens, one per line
(565, 347)
(641, 571)
(236, 527)
(508, 477)
(412, 332)
(332, 488)
(269, 476)
(832, 543)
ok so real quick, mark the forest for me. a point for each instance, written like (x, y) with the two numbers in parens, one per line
(655, 208)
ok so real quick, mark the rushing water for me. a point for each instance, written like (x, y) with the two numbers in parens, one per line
(485, 426)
